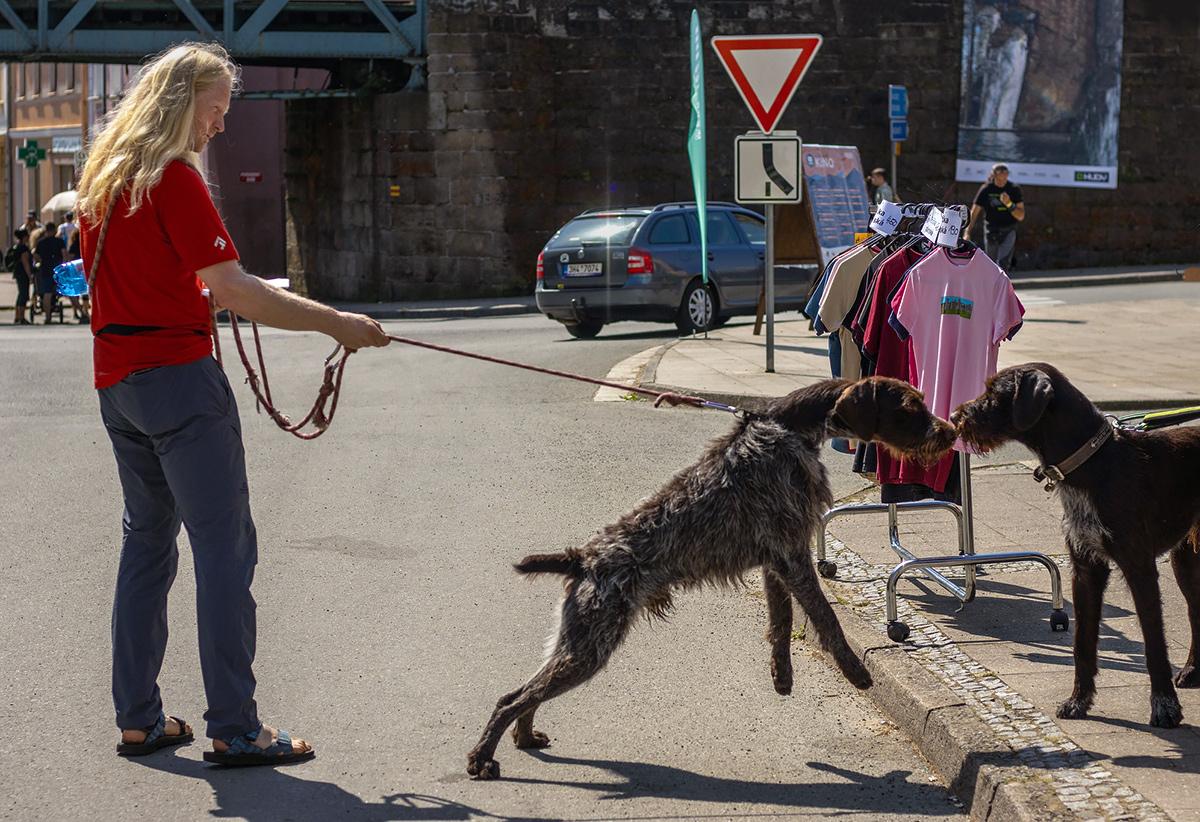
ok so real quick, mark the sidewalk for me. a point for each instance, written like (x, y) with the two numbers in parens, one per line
(976, 688)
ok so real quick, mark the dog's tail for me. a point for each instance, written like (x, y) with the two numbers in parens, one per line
(548, 564)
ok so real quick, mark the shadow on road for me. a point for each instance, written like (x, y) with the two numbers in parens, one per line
(271, 794)
(857, 793)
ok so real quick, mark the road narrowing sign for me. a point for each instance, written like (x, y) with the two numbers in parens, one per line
(768, 168)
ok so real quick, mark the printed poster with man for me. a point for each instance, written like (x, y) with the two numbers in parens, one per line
(1041, 91)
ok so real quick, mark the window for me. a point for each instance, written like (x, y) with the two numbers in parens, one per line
(756, 231)
(670, 229)
(720, 229)
(597, 229)
(64, 177)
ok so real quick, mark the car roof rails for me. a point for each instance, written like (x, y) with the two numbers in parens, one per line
(602, 209)
(692, 204)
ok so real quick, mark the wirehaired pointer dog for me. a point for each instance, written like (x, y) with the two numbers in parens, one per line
(755, 498)
(1127, 496)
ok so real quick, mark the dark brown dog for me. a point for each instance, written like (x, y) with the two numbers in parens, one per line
(754, 499)
(1136, 497)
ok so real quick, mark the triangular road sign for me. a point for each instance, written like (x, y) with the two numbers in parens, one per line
(766, 68)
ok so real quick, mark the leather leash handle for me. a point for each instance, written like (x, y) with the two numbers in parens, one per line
(112, 204)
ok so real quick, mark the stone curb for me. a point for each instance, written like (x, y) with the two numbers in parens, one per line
(982, 771)
(1130, 278)
(385, 311)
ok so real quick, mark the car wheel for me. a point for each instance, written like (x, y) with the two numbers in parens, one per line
(583, 331)
(697, 309)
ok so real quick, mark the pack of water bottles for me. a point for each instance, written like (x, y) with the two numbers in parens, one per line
(71, 279)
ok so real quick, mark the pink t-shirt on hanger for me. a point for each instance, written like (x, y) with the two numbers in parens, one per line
(957, 310)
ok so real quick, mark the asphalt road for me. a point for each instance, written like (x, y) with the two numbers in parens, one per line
(390, 620)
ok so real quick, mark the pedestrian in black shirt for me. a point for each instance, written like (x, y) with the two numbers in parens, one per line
(1002, 206)
(48, 253)
(20, 263)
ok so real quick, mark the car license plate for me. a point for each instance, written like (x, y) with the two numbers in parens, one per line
(582, 269)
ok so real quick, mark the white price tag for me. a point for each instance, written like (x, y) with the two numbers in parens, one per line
(886, 218)
(943, 226)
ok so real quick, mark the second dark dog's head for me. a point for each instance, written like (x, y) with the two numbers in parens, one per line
(893, 413)
(1012, 406)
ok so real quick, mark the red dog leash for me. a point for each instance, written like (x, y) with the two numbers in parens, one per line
(660, 396)
(331, 384)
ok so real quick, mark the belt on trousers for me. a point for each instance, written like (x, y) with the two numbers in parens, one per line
(122, 330)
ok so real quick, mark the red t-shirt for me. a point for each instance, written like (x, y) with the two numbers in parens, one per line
(893, 358)
(147, 276)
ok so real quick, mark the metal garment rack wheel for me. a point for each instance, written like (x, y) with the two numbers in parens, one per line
(967, 559)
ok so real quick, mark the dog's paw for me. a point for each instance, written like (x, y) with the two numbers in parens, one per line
(1188, 677)
(781, 673)
(856, 673)
(483, 769)
(1165, 711)
(534, 739)
(1073, 709)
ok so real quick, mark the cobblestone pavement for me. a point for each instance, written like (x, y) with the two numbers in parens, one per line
(1082, 784)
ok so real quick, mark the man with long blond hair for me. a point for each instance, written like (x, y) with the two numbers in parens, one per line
(151, 240)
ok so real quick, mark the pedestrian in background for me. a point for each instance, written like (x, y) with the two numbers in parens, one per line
(1002, 205)
(882, 192)
(48, 251)
(20, 263)
(82, 303)
(73, 245)
(31, 223)
(151, 240)
(67, 226)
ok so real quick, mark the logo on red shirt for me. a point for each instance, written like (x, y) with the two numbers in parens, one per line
(219, 243)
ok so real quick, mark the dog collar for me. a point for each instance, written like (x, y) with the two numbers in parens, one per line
(1052, 475)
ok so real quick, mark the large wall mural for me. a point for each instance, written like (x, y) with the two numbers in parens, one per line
(1041, 91)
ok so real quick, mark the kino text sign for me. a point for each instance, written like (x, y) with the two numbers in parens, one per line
(766, 69)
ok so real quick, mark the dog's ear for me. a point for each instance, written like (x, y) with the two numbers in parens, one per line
(1034, 392)
(858, 409)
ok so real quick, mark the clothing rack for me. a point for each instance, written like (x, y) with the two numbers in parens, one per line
(963, 515)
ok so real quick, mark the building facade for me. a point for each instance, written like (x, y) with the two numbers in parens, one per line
(46, 113)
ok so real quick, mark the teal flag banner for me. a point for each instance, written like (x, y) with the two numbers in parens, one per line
(695, 142)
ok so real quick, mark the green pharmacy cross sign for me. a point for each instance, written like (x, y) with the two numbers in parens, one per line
(31, 154)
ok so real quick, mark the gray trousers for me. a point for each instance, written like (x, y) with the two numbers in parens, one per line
(178, 442)
(999, 245)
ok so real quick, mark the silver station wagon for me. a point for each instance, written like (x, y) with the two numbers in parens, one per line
(643, 263)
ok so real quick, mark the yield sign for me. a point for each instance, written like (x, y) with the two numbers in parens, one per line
(766, 68)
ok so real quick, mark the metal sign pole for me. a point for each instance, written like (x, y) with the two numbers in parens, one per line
(770, 287)
(895, 182)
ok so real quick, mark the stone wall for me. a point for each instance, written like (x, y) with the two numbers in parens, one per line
(533, 110)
